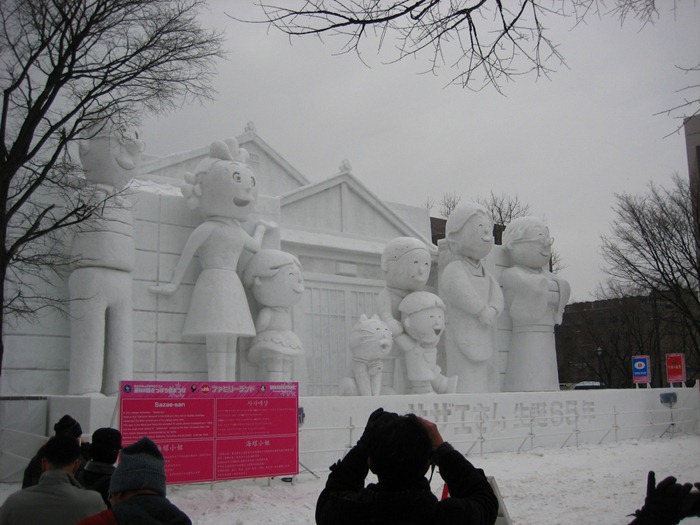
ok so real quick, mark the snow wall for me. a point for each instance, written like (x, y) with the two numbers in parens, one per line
(473, 423)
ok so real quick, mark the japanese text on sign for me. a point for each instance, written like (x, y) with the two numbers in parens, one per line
(215, 431)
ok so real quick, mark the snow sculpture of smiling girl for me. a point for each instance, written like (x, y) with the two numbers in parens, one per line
(223, 190)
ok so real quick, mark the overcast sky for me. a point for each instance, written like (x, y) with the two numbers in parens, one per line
(564, 145)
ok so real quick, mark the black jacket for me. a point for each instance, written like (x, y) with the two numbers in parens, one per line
(345, 500)
(96, 476)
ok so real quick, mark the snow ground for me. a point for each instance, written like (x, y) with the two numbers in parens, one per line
(591, 484)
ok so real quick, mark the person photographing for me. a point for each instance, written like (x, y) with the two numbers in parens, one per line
(399, 450)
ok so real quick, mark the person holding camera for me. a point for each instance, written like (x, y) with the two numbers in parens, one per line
(400, 450)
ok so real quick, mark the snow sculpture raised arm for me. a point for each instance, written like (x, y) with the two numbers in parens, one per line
(223, 190)
(473, 299)
(103, 249)
(535, 299)
(369, 342)
(275, 279)
(423, 320)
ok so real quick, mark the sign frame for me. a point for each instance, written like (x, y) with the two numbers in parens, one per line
(214, 431)
(641, 369)
(675, 368)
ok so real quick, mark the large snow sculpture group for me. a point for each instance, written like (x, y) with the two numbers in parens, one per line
(400, 341)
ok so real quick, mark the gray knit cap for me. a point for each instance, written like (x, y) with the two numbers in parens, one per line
(141, 466)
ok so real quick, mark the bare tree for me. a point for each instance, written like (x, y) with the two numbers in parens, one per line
(653, 248)
(483, 42)
(504, 208)
(448, 203)
(64, 66)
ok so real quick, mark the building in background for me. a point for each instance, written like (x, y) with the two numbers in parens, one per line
(597, 340)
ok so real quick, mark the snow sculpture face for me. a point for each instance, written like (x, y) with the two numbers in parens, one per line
(275, 278)
(370, 338)
(474, 239)
(406, 263)
(110, 157)
(228, 190)
(423, 317)
(528, 242)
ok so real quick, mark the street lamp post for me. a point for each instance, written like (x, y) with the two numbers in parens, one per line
(599, 352)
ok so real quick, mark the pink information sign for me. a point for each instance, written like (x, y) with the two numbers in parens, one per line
(675, 368)
(215, 431)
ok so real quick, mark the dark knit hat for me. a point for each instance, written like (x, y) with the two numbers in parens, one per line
(106, 444)
(141, 466)
(68, 426)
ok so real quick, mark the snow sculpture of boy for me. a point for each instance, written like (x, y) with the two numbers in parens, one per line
(423, 321)
(275, 279)
(369, 342)
(406, 266)
(535, 299)
(102, 352)
(473, 299)
(223, 189)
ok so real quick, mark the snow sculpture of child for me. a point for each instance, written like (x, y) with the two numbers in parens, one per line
(473, 299)
(369, 342)
(406, 266)
(275, 279)
(535, 299)
(423, 321)
(223, 189)
(102, 351)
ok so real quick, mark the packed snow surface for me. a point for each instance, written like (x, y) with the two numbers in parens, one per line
(589, 484)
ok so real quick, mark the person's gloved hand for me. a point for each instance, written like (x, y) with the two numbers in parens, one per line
(691, 503)
(663, 503)
(377, 421)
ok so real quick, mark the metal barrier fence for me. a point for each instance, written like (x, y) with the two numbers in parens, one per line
(616, 425)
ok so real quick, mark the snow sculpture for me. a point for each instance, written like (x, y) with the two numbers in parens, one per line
(473, 299)
(369, 342)
(275, 279)
(103, 252)
(423, 321)
(223, 189)
(535, 299)
(405, 264)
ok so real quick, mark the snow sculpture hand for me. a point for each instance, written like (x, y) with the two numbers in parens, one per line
(164, 289)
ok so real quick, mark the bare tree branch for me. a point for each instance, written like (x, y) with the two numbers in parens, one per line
(486, 42)
(64, 66)
(448, 203)
(504, 208)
